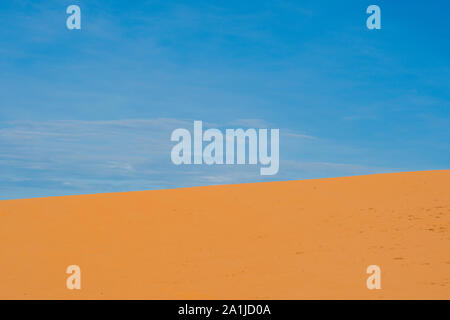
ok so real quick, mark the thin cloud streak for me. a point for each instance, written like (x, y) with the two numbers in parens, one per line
(76, 156)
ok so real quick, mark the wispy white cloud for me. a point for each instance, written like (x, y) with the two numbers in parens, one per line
(76, 156)
(289, 133)
(251, 123)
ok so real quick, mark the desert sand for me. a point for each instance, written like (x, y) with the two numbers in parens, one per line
(310, 239)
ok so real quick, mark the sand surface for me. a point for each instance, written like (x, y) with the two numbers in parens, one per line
(282, 240)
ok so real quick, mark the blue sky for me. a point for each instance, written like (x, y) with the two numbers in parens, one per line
(92, 110)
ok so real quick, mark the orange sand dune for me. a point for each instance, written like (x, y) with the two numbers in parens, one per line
(282, 240)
